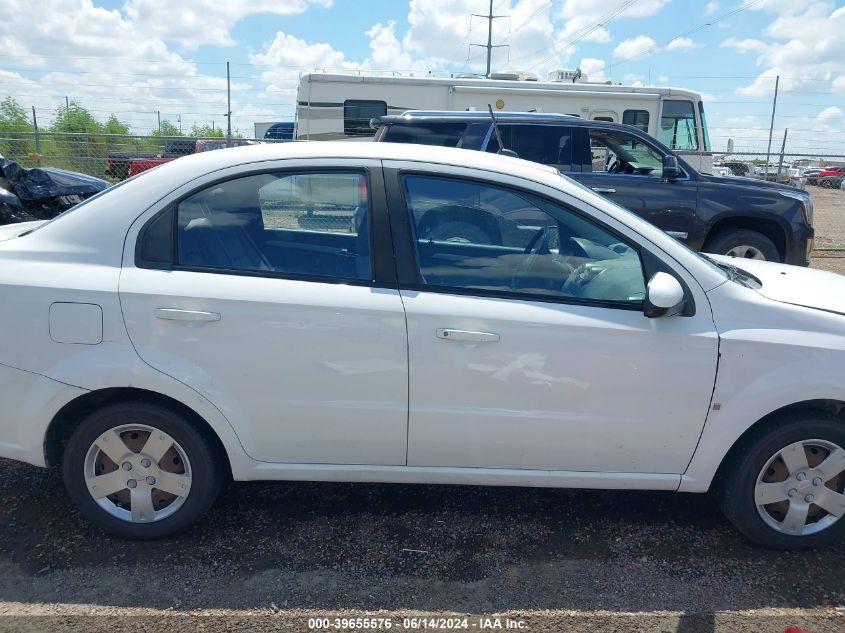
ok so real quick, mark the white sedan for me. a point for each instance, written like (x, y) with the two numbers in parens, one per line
(394, 313)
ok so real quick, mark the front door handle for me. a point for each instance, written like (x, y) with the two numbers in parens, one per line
(173, 314)
(603, 190)
(465, 335)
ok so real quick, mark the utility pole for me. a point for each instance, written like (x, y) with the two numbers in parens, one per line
(158, 115)
(772, 127)
(228, 107)
(37, 136)
(489, 45)
(782, 148)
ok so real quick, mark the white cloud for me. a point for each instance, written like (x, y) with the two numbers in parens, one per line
(710, 8)
(592, 67)
(831, 113)
(194, 23)
(680, 43)
(746, 45)
(803, 44)
(839, 84)
(635, 48)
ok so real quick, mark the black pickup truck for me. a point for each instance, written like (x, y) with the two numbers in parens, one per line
(741, 217)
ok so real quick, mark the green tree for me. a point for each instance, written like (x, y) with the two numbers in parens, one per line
(206, 131)
(115, 126)
(16, 129)
(75, 119)
(167, 129)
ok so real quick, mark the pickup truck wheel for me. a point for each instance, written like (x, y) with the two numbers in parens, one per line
(785, 489)
(743, 243)
(140, 471)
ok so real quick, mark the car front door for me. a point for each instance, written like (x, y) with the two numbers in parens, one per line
(273, 295)
(530, 350)
(627, 170)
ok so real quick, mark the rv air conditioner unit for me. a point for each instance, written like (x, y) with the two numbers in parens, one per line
(567, 76)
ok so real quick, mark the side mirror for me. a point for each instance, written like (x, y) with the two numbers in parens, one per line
(664, 296)
(671, 168)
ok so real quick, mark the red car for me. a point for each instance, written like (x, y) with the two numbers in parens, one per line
(832, 171)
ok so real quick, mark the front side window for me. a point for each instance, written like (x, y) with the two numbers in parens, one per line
(472, 236)
(545, 144)
(617, 152)
(291, 223)
(678, 129)
(704, 130)
(637, 118)
(357, 114)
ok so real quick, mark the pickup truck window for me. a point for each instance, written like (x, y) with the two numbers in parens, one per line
(678, 128)
(620, 153)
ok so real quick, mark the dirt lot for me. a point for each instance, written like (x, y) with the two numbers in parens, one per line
(270, 556)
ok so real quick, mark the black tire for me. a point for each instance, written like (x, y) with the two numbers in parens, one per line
(738, 477)
(206, 471)
(722, 243)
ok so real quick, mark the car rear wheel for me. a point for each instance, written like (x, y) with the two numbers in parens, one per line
(786, 489)
(743, 243)
(140, 471)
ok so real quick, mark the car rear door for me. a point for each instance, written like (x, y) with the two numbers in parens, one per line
(272, 293)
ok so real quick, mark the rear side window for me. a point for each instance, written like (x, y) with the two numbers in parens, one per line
(155, 249)
(357, 115)
(439, 134)
(637, 118)
(299, 224)
(546, 144)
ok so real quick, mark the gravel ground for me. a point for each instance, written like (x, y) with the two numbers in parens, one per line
(272, 555)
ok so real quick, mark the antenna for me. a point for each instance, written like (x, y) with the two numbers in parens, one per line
(489, 45)
(502, 150)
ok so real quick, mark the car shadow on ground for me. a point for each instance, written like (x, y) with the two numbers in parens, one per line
(430, 548)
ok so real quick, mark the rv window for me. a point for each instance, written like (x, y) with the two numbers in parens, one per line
(706, 134)
(678, 129)
(637, 118)
(439, 134)
(357, 115)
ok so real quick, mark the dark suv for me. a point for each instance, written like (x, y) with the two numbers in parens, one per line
(742, 217)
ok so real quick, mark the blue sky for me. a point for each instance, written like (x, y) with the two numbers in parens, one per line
(139, 57)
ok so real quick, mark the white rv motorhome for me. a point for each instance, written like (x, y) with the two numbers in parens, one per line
(340, 106)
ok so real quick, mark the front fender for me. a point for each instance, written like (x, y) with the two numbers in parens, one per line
(763, 368)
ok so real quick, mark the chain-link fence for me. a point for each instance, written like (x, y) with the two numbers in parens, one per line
(110, 156)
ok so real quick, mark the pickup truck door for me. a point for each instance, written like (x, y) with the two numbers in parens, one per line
(629, 171)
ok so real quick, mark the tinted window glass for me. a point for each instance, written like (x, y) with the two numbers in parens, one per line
(546, 144)
(440, 134)
(637, 118)
(357, 115)
(475, 236)
(704, 130)
(300, 224)
(678, 129)
(620, 153)
(157, 245)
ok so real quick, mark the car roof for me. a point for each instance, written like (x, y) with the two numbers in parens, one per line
(447, 116)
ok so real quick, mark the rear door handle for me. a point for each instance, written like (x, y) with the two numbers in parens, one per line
(603, 190)
(465, 335)
(172, 314)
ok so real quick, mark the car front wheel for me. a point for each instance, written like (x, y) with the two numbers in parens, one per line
(785, 489)
(140, 471)
(743, 243)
